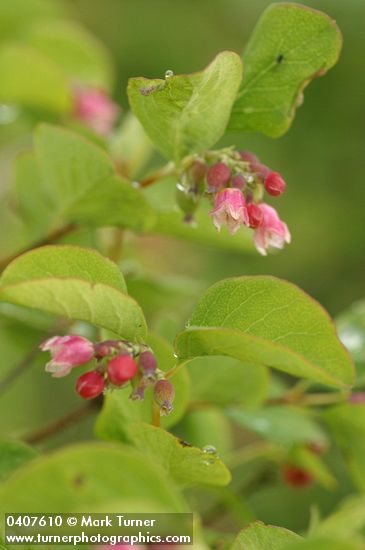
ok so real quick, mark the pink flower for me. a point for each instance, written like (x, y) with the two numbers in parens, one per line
(230, 209)
(67, 352)
(272, 231)
(96, 110)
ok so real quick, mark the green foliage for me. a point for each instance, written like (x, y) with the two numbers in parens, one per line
(291, 45)
(13, 455)
(74, 50)
(186, 114)
(23, 72)
(93, 476)
(266, 321)
(258, 536)
(77, 291)
(69, 180)
(347, 425)
(225, 381)
(185, 464)
(285, 425)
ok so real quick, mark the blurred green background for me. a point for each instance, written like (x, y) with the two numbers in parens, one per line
(322, 157)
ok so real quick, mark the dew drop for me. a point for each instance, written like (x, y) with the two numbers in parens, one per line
(210, 450)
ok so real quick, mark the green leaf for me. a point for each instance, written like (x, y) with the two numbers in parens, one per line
(347, 425)
(23, 74)
(91, 477)
(258, 536)
(79, 181)
(74, 50)
(13, 455)
(225, 381)
(285, 425)
(348, 520)
(185, 464)
(266, 321)
(290, 45)
(64, 261)
(76, 283)
(185, 114)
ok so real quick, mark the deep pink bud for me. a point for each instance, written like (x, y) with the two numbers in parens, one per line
(248, 156)
(67, 352)
(274, 184)
(164, 395)
(272, 232)
(297, 477)
(121, 369)
(229, 209)
(148, 363)
(103, 349)
(255, 215)
(95, 109)
(90, 385)
(239, 181)
(218, 176)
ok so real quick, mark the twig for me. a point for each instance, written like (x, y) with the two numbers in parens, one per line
(166, 170)
(51, 237)
(57, 426)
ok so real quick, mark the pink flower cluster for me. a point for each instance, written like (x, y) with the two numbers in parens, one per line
(236, 183)
(94, 108)
(117, 363)
(234, 203)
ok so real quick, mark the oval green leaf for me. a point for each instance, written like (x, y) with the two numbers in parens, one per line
(185, 464)
(185, 114)
(75, 283)
(266, 321)
(291, 45)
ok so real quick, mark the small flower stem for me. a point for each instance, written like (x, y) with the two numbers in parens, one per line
(50, 238)
(156, 416)
(166, 170)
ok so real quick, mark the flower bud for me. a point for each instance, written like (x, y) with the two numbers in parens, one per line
(249, 157)
(121, 369)
(274, 184)
(218, 176)
(90, 385)
(297, 477)
(197, 172)
(164, 394)
(108, 347)
(148, 363)
(67, 352)
(255, 215)
(239, 181)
